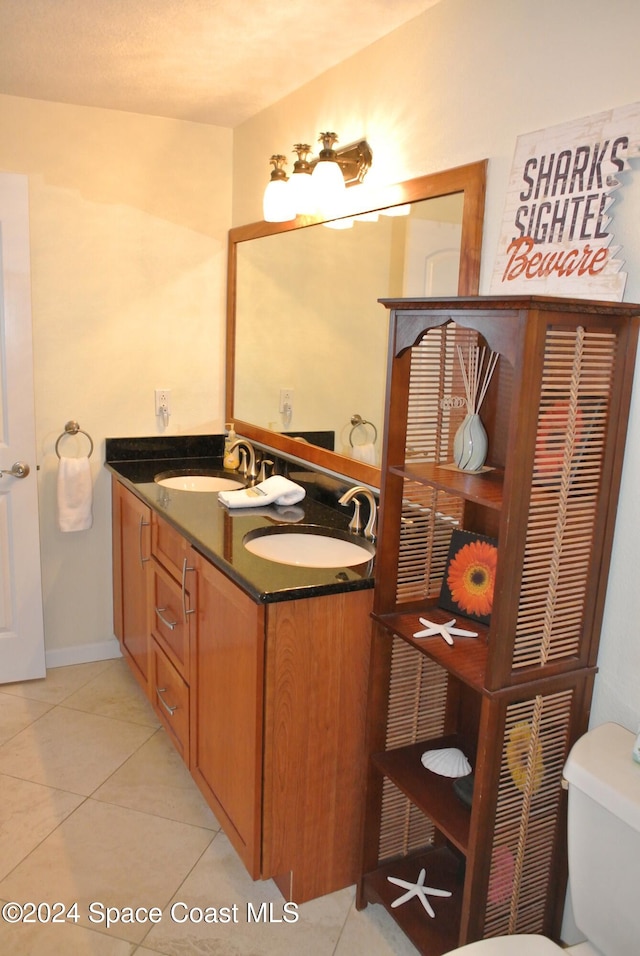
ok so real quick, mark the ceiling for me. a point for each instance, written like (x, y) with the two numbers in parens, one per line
(206, 61)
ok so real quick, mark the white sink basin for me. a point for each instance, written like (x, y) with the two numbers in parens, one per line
(309, 547)
(187, 481)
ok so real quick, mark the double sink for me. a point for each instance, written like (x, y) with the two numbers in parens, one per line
(307, 546)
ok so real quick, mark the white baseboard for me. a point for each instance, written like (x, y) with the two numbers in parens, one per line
(83, 654)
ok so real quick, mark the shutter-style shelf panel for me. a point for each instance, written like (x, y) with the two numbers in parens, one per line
(429, 515)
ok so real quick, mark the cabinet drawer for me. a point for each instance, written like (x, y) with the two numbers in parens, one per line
(169, 621)
(168, 547)
(170, 699)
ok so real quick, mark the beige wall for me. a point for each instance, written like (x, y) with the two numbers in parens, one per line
(128, 217)
(459, 84)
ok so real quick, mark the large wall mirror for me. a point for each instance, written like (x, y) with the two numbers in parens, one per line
(303, 316)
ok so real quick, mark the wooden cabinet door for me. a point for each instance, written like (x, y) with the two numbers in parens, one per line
(315, 757)
(226, 707)
(133, 519)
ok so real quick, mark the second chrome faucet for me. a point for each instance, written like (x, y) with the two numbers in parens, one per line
(355, 525)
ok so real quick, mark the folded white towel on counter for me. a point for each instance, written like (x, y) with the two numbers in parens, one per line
(275, 490)
(285, 514)
(75, 494)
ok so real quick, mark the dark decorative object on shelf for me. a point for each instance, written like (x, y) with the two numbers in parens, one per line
(467, 587)
(463, 789)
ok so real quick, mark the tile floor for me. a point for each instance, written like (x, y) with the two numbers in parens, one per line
(97, 809)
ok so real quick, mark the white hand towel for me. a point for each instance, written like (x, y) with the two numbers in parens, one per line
(365, 452)
(75, 494)
(277, 489)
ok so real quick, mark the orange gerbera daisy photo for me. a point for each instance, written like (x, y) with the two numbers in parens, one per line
(471, 576)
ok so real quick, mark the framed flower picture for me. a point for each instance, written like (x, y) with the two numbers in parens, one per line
(468, 583)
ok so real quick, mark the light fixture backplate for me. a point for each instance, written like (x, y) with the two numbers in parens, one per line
(354, 161)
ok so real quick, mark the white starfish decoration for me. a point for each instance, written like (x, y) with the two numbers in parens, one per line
(417, 889)
(444, 630)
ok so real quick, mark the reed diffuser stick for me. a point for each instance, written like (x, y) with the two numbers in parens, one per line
(476, 375)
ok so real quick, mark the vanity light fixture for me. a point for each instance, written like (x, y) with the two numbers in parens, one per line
(278, 201)
(315, 185)
(328, 181)
(301, 184)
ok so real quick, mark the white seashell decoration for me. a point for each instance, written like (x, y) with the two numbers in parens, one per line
(448, 762)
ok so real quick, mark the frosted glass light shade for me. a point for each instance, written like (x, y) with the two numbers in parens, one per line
(278, 203)
(303, 188)
(329, 185)
(346, 223)
(402, 210)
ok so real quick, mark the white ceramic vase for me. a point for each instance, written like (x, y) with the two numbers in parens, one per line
(470, 444)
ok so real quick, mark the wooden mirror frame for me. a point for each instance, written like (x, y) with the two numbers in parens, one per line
(470, 180)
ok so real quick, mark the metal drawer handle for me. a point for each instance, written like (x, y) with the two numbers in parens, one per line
(143, 524)
(170, 710)
(185, 610)
(170, 624)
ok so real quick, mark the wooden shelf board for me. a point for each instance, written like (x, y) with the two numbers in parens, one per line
(432, 793)
(484, 487)
(430, 935)
(466, 659)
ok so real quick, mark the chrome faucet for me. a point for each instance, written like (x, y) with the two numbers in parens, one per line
(251, 471)
(354, 524)
(264, 464)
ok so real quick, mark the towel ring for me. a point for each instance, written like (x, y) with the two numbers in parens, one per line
(72, 428)
(357, 421)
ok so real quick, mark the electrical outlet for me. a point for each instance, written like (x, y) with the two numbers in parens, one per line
(163, 401)
(286, 400)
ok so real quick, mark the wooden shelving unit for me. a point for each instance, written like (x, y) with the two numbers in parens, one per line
(515, 697)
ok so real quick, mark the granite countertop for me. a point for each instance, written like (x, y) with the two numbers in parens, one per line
(217, 532)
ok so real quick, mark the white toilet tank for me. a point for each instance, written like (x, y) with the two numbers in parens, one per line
(604, 839)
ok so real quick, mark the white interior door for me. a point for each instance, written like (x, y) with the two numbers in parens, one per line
(21, 623)
(432, 258)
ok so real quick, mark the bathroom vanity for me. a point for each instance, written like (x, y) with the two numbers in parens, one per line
(257, 670)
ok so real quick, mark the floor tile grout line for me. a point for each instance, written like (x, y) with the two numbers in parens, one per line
(108, 665)
(174, 894)
(152, 732)
(122, 720)
(348, 914)
(74, 710)
(27, 725)
(90, 798)
(52, 831)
